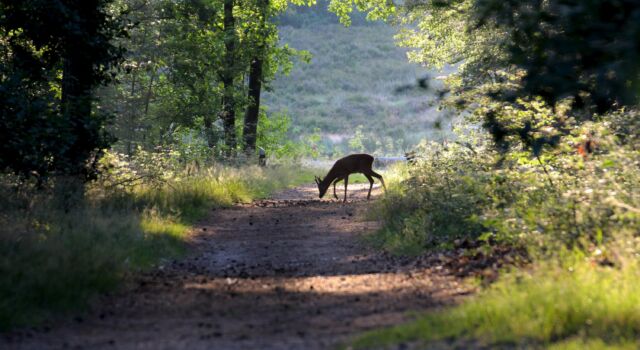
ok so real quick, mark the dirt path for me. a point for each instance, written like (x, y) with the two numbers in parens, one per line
(286, 273)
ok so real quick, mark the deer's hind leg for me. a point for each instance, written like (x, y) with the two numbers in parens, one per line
(379, 177)
(370, 185)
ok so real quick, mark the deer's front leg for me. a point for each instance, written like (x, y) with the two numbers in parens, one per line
(334, 187)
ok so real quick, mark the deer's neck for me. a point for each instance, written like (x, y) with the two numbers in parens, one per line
(331, 175)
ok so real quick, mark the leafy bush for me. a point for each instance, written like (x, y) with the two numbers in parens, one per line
(466, 190)
(437, 202)
(575, 210)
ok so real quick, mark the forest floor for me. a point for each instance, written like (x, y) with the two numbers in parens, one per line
(291, 272)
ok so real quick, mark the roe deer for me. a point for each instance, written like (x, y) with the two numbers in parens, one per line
(354, 163)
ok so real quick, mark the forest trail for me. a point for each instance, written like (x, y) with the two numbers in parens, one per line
(291, 272)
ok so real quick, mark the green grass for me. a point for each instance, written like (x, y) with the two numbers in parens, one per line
(191, 197)
(54, 260)
(592, 344)
(574, 306)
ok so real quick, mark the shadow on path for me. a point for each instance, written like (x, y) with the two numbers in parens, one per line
(290, 272)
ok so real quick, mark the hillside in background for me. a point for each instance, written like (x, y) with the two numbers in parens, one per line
(359, 91)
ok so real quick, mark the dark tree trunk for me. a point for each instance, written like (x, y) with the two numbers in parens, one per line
(85, 46)
(132, 116)
(77, 81)
(253, 109)
(208, 129)
(252, 113)
(228, 113)
(147, 100)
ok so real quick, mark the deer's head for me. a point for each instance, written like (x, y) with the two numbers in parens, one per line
(321, 187)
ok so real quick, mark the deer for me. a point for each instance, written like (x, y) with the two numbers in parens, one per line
(343, 167)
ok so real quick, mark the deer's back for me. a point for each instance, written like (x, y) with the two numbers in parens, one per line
(353, 163)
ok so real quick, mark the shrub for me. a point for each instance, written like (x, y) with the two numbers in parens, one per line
(576, 211)
(464, 190)
(437, 202)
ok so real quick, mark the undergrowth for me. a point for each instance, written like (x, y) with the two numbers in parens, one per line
(575, 213)
(62, 245)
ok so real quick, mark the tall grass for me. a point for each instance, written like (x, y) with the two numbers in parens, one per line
(58, 249)
(580, 305)
(191, 196)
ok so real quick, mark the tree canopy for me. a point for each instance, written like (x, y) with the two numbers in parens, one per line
(578, 56)
(54, 53)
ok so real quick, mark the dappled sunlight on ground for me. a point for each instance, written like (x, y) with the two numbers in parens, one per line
(288, 272)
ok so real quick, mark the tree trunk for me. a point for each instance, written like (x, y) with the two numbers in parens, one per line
(147, 100)
(132, 116)
(84, 133)
(76, 108)
(253, 109)
(228, 113)
(208, 130)
(250, 131)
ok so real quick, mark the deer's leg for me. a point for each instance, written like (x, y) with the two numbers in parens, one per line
(334, 187)
(370, 185)
(378, 176)
(346, 183)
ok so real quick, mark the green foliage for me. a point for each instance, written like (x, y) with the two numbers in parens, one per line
(190, 145)
(466, 190)
(172, 75)
(272, 136)
(563, 186)
(54, 54)
(444, 35)
(375, 9)
(356, 141)
(574, 49)
(511, 54)
(318, 15)
(575, 211)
